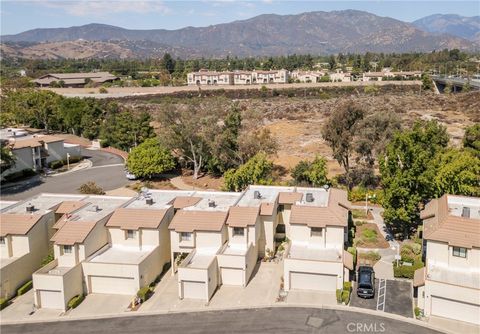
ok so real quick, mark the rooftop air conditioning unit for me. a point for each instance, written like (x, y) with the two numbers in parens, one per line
(149, 201)
(211, 204)
(256, 194)
(94, 208)
(30, 208)
(309, 197)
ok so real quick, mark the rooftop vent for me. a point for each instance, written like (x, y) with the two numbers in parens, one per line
(309, 197)
(149, 201)
(326, 186)
(211, 204)
(256, 194)
(30, 208)
(94, 208)
(466, 212)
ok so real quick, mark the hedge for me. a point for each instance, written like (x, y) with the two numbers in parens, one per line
(144, 293)
(55, 164)
(19, 175)
(339, 296)
(346, 296)
(24, 288)
(347, 286)
(406, 271)
(4, 303)
(75, 301)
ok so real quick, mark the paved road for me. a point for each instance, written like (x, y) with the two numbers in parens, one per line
(107, 172)
(265, 320)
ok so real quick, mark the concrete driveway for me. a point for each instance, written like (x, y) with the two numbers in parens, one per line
(263, 320)
(97, 304)
(395, 297)
(107, 171)
(22, 309)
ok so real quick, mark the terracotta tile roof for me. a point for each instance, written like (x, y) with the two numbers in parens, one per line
(266, 209)
(189, 221)
(419, 277)
(289, 197)
(181, 202)
(242, 216)
(335, 213)
(17, 224)
(348, 260)
(439, 225)
(73, 232)
(134, 219)
(70, 206)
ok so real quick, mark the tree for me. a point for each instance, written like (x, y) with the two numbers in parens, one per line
(313, 173)
(339, 131)
(150, 158)
(91, 188)
(169, 63)
(7, 159)
(427, 83)
(471, 139)
(257, 170)
(457, 173)
(407, 178)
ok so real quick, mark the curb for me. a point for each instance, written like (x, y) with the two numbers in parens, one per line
(88, 164)
(214, 309)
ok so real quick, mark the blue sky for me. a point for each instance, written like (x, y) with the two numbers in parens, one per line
(21, 15)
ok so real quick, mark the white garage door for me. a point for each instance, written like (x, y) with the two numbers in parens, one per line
(232, 276)
(194, 290)
(51, 299)
(114, 285)
(453, 309)
(310, 281)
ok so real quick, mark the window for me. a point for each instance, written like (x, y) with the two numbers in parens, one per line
(185, 236)
(131, 234)
(67, 249)
(238, 231)
(316, 231)
(2, 241)
(460, 252)
(281, 207)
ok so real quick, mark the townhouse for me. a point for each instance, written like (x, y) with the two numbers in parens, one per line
(340, 76)
(244, 78)
(205, 77)
(80, 233)
(25, 231)
(373, 76)
(306, 76)
(449, 284)
(315, 258)
(272, 76)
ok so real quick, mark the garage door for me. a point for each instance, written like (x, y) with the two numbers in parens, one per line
(310, 281)
(194, 290)
(114, 285)
(453, 309)
(51, 299)
(232, 276)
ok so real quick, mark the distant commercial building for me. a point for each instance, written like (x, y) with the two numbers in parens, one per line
(74, 79)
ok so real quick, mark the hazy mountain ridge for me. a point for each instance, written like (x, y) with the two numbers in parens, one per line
(455, 25)
(264, 35)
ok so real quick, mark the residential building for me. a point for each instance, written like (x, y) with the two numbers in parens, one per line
(206, 77)
(317, 229)
(307, 76)
(449, 284)
(197, 234)
(25, 231)
(244, 78)
(272, 76)
(138, 246)
(36, 152)
(74, 79)
(80, 233)
(340, 76)
(373, 76)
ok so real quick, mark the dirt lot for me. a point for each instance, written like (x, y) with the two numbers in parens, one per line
(363, 242)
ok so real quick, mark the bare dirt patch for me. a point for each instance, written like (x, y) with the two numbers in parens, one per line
(368, 236)
(205, 181)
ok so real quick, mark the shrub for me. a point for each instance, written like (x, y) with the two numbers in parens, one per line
(103, 90)
(370, 89)
(371, 255)
(5, 302)
(353, 251)
(75, 301)
(417, 249)
(346, 296)
(55, 164)
(339, 295)
(47, 259)
(91, 188)
(406, 271)
(369, 234)
(357, 194)
(417, 311)
(24, 288)
(347, 286)
(144, 293)
(360, 222)
(19, 175)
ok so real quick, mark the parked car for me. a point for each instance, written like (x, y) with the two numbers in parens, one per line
(130, 175)
(366, 282)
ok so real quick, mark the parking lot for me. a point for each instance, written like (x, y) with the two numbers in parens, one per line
(391, 296)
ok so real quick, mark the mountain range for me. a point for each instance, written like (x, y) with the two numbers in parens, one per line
(263, 35)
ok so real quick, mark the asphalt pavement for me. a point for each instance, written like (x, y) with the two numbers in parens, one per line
(264, 320)
(107, 172)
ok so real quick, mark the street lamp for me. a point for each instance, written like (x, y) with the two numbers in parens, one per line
(68, 161)
(367, 197)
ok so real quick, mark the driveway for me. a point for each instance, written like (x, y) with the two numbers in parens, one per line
(107, 172)
(263, 320)
(22, 309)
(98, 304)
(391, 296)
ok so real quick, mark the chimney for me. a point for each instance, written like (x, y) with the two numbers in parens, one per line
(211, 204)
(149, 201)
(466, 212)
(257, 195)
(30, 208)
(309, 197)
